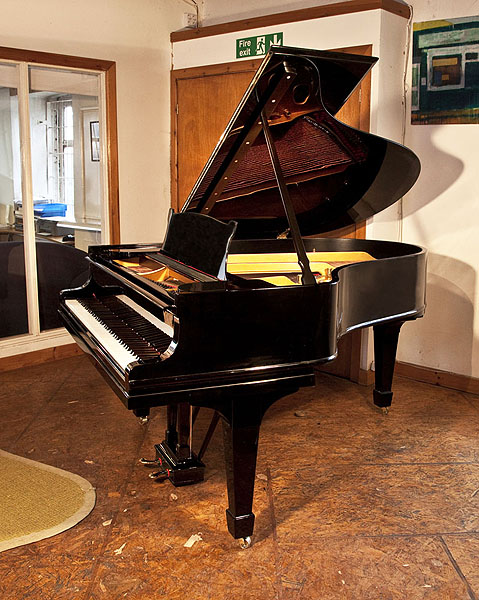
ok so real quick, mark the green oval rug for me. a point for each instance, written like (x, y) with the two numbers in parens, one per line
(38, 501)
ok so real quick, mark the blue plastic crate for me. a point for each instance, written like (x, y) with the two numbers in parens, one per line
(55, 209)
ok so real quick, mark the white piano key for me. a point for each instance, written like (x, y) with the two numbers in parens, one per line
(122, 355)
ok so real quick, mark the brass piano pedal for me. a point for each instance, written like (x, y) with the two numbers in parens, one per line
(159, 475)
(144, 420)
(156, 462)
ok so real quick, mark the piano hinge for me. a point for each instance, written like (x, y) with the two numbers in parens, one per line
(177, 110)
(284, 235)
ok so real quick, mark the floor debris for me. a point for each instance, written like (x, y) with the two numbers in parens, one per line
(196, 537)
(119, 550)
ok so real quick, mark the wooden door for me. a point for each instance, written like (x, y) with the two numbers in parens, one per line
(203, 100)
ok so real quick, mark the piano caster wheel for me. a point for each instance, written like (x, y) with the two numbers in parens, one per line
(245, 543)
(159, 475)
(385, 410)
(143, 420)
(150, 463)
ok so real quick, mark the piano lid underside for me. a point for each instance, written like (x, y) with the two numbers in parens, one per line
(335, 175)
(308, 147)
(326, 165)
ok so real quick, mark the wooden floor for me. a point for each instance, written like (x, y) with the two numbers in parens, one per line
(350, 504)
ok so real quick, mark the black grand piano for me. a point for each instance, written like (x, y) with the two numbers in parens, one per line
(237, 306)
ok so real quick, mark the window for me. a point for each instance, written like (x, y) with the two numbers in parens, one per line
(60, 152)
(54, 199)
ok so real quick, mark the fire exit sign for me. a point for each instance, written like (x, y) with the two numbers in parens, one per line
(257, 45)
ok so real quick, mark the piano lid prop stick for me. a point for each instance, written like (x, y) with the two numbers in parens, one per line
(307, 276)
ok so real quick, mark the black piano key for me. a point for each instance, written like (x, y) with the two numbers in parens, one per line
(154, 336)
(131, 329)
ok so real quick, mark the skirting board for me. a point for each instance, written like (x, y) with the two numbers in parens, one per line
(463, 383)
(28, 359)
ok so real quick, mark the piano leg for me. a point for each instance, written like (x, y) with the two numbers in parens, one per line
(241, 415)
(240, 440)
(385, 345)
(143, 415)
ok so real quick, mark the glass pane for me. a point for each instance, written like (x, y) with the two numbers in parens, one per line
(66, 180)
(13, 297)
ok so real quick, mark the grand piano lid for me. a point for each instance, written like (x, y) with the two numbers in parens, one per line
(335, 175)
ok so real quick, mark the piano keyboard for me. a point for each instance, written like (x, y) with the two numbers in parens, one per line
(126, 331)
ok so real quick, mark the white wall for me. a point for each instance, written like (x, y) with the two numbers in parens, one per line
(134, 34)
(442, 213)
(221, 11)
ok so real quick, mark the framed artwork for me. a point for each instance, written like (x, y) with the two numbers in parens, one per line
(445, 71)
(95, 141)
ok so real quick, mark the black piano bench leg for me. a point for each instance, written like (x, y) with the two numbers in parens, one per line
(385, 345)
(241, 448)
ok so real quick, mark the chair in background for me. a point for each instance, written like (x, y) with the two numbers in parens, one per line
(59, 266)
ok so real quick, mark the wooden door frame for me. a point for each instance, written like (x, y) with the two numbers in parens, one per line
(356, 374)
(109, 69)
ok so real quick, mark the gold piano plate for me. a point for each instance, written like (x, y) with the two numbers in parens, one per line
(149, 269)
(282, 268)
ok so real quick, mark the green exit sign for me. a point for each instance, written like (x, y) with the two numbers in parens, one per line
(257, 45)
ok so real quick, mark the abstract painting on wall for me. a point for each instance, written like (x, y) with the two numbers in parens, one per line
(445, 71)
